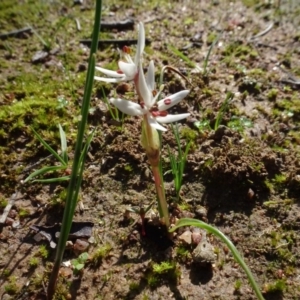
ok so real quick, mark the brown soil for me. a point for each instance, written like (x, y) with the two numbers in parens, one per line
(242, 177)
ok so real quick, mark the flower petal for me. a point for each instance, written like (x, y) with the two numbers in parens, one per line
(164, 104)
(128, 69)
(128, 107)
(143, 90)
(150, 77)
(109, 72)
(140, 45)
(104, 79)
(171, 118)
(153, 123)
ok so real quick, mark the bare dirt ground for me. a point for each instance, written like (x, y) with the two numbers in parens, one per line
(242, 175)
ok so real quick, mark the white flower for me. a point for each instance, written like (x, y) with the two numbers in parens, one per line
(129, 69)
(156, 112)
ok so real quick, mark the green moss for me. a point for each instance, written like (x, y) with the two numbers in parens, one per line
(272, 94)
(33, 262)
(133, 286)
(63, 195)
(188, 21)
(128, 168)
(43, 251)
(3, 203)
(250, 3)
(237, 284)
(189, 134)
(152, 280)
(207, 92)
(211, 38)
(6, 272)
(276, 286)
(280, 179)
(23, 213)
(163, 267)
(11, 288)
(182, 252)
(100, 253)
(240, 50)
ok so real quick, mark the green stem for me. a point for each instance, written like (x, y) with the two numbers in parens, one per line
(160, 194)
(77, 168)
(151, 144)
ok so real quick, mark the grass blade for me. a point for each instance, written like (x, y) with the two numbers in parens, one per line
(49, 148)
(223, 108)
(208, 54)
(51, 180)
(44, 170)
(63, 141)
(182, 56)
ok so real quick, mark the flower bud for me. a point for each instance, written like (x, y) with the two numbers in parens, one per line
(150, 141)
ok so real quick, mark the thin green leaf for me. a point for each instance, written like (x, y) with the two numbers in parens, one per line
(178, 164)
(223, 108)
(86, 146)
(77, 168)
(226, 240)
(208, 54)
(44, 170)
(114, 115)
(44, 42)
(50, 180)
(49, 148)
(63, 141)
(182, 56)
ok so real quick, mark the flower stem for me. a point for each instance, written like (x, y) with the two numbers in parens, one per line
(151, 143)
(161, 195)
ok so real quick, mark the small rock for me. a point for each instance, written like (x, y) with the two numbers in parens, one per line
(38, 237)
(66, 272)
(250, 193)
(201, 211)
(204, 252)
(196, 236)
(13, 213)
(15, 224)
(6, 297)
(186, 237)
(69, 245)
(39, 56)
(92, 240)
(80, 245)
(9, 221)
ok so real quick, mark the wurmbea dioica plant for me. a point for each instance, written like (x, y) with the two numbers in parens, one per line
(154, 112)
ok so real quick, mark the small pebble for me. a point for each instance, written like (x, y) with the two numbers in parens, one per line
(196, 237)
(186, 237)
(80, 245)
(13, 213)
(39, 56)
(204, 252)
(15, 224)
(9, 221)
(201, 211)
(251, 194)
